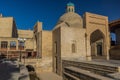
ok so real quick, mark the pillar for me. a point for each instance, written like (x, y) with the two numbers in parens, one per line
(88, 48)
(117, 32)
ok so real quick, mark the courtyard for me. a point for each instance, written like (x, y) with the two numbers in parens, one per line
(60, 40)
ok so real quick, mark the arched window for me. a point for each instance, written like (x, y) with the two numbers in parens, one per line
(72, 10)
(69, 10)
(73, 48)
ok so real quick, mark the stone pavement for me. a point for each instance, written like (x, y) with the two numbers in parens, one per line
(99, 61)
(48, 76)
(107, 62)
(116, 76)
(9, 71)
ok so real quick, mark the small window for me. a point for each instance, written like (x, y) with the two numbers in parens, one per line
(69, 9)
(12, 45)
(21, 45)
(4, 44)
(73, 48)
(72, 9)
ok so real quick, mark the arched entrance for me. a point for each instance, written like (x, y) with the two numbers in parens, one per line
(97, 44)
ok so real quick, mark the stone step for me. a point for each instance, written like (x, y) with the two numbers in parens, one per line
(94, 67)
(71, 76)
(115, 76)
(99, 57)
(83, 74)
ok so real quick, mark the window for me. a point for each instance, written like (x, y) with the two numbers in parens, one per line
(72, 10)
(69, 10)
(21, 45)
(4, 44)
(12, 45)
(73, 48)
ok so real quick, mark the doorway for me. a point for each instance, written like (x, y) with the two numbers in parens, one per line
(99, 49)
(29, 54)
(97, 44)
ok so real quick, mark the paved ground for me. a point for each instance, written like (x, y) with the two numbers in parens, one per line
(108, 62)
(48, 76)
(100, 61)
(9, 71)
(116, 76)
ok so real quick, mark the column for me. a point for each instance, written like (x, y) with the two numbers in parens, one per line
(16, 45)
(8, 49)
(88, 49)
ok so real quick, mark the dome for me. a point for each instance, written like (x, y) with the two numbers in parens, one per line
(71, 18)
(70, 4)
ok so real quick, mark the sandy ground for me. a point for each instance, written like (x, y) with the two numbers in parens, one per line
(48, 76)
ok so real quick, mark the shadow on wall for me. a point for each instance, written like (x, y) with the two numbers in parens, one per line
(115, 53)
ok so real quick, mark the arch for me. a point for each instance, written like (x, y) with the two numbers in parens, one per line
(97, 43)
(96, 35)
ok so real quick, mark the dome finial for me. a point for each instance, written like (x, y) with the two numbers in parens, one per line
(70, 7)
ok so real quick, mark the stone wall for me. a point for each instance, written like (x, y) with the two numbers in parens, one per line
(95, 22)
(69, 36)
(30, 40)
(6, 24)
(47, 48)
(57, 50)
(115, 53)
(40, 65)
(25, 33)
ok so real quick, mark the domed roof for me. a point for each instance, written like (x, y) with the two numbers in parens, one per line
(71, 18)
(70, 4)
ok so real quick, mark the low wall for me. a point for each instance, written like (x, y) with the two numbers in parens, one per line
(24, 74)
(40, 65)
(115, 53)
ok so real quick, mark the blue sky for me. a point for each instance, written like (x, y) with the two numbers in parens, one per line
(27, 12)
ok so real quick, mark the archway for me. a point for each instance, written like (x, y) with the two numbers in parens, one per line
(97, 44)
